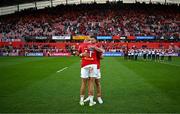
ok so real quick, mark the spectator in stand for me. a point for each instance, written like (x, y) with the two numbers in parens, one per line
(93, 19)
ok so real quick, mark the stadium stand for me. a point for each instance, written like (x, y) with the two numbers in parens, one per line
(123, 22)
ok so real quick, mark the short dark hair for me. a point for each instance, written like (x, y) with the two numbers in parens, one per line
(93, 37)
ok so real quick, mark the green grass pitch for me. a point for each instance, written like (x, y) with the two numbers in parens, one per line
(32, 84)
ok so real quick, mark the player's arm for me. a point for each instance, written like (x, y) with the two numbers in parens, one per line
(101, 56)
(100, 50)
(78, 51)
(84, 54)
(81, 54)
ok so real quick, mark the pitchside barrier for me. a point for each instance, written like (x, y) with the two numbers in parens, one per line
(115, 54)
(61, 37)
(47, 54)
(106, 54)
(34, 54)
(82, 37)
(9, 54)
(60, 54)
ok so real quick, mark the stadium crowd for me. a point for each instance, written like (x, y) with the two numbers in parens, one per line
(93, 19)
(111, 19)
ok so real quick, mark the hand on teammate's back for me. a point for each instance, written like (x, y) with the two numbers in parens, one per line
(91, 47)
(85, 54)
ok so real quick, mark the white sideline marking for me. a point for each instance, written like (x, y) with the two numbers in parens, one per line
(62, 69)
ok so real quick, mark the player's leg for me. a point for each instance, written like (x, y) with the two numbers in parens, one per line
(84, 78)
(99, 93)
(82, 90)
(88, 98)
(93, 75)
(98, 87)
(91, 91)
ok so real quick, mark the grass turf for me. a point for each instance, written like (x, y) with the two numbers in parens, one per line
(32, 84)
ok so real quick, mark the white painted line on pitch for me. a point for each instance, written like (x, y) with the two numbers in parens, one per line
(62, 69)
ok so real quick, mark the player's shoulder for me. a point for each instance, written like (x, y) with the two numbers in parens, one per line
(98, 45)
(84, 44)
(99, 54)
(81, 45)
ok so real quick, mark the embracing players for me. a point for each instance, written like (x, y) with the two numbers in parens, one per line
(97, 79)
(88, 53)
